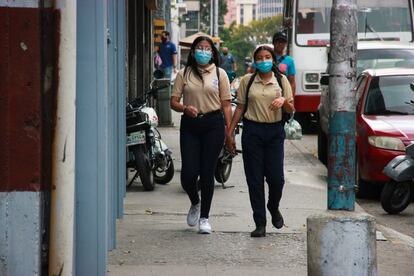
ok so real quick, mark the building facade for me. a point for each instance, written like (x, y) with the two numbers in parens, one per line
(269, 8)
(246, 11)
(231, 12)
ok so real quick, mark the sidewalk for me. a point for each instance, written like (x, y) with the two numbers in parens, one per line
(154, 239)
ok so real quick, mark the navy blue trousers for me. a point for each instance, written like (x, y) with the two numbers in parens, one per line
(201, 140)
(263, 154)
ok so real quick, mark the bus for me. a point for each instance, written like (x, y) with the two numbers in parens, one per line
(308, 27)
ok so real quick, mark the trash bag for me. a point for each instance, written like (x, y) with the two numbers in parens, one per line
(293, 129)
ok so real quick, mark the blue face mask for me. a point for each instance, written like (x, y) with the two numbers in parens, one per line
(264, 66)
(202, 57)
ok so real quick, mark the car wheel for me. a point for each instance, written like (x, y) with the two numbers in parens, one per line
(361, 186)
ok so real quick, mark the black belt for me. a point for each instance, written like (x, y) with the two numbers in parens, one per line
(202, 115)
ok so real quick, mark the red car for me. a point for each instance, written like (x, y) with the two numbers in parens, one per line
(384, 121)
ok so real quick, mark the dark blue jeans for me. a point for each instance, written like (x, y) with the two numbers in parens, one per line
(201, 140)
(263, 154)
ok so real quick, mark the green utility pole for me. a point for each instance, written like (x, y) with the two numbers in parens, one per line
(342, 74)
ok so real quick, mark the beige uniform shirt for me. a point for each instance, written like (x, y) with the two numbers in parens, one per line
(261, 95)
(204, 95)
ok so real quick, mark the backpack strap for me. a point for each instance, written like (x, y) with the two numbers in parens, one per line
(249, 84)
(218, 77)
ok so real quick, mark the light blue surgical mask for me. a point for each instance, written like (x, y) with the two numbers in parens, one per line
(264, 66)
(202, 57)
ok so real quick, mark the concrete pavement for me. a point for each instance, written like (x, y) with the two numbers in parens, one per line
(154, 239)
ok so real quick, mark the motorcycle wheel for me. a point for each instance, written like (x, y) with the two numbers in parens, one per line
(223, 170)
(164, 177)
(143, 166)
(396, 196)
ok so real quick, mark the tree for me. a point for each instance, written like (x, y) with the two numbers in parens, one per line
(242, 40)
(205, 14)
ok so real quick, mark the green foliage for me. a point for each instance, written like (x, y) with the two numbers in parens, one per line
(242, 40)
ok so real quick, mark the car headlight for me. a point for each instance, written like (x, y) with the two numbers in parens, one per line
(312, 77)
(384, 142)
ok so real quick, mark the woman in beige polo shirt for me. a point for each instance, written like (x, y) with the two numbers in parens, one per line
(263, 136)
(205, 90)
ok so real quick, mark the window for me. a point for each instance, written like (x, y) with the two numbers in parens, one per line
(241, 14)
(374, 17)
(254, 12)
(389, 95)
(384, 58)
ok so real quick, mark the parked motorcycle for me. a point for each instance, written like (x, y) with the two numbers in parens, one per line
(225, 161)
(146, 152)
(398, 192)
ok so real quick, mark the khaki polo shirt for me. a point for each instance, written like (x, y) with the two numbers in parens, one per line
(261, 95)
(204, 95)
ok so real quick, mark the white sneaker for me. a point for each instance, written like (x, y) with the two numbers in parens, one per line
(193, 215)
(204, 226)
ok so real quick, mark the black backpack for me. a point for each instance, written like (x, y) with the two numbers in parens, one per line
(285, 115)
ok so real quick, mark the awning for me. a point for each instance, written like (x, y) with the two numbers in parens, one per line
(187, 41)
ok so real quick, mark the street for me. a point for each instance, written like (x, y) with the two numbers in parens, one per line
(403, 222)
(154, 239)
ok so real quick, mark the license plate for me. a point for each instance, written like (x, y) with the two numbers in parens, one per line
(136, 138)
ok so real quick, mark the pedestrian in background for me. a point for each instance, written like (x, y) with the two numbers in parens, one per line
(285, 62)
(261, 98)
(205, 90)
(168, 54)
(228, 63)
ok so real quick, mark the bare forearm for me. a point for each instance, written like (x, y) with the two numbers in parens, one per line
(292, 84)
(174, 58)
(176, 105)
(236, 117)
(226, 106)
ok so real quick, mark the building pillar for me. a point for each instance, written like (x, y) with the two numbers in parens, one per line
(28, 83)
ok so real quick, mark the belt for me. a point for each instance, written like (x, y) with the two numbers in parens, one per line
(202, 115)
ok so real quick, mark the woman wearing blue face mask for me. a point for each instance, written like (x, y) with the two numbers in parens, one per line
(205, 90)
(262, 98)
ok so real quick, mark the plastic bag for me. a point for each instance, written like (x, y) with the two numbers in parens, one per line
(157, 61)
(293, 129)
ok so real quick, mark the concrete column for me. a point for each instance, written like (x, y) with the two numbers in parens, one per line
(27, 86)
(341, 244)
(61, 250)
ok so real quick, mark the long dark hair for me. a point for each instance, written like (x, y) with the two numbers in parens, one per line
(192, 63)
(275, 68)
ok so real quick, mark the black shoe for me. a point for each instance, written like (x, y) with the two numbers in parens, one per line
(259, 232)
(277, 218)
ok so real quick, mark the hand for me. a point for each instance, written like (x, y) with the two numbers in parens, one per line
(277, 103)
(230, 142)
(191, 111)
(175, 70)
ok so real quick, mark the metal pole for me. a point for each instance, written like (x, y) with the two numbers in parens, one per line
(63, 153)
(211, 17)
(342, 71)
(216, 9)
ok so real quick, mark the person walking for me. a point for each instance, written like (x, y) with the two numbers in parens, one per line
(228, 63)
(262, 99)
(168, 54)
(285, 62)
(205, 90)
